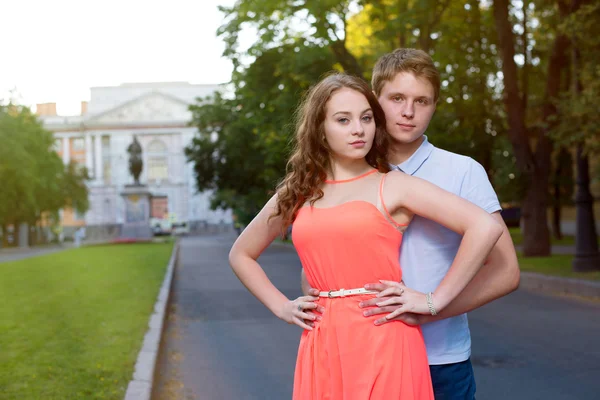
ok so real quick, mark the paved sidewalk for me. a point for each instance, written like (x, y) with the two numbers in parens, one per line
(19, 253)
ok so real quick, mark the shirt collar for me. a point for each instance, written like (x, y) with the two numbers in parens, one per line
(414, 162)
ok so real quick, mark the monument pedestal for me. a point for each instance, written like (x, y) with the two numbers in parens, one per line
(137, 213)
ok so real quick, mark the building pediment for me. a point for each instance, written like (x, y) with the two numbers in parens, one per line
(154, 107)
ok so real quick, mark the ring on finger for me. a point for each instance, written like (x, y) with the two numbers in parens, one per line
(401, 291)
(300, 307)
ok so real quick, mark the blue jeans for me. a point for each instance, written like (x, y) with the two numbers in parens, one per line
(453, 381)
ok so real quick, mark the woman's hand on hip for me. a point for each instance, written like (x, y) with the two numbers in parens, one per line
(298, 312)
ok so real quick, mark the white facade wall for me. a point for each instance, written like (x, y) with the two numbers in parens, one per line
(103, 99)
(106, 203)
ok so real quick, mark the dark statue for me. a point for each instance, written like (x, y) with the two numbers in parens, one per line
(135, 160)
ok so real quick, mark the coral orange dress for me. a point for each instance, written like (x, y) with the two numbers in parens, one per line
(346, 356)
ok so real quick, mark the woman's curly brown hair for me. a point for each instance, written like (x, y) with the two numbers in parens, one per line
(307, 167)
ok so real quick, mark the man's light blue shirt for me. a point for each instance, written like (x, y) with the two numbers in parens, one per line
(428, 248)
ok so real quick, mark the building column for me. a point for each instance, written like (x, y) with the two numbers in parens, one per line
(22, 235)
(89, 154)
(98, 158)
(66, 151)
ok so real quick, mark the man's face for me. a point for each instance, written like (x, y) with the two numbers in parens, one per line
(409, 104)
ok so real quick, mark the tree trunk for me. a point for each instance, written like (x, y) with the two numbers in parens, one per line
(402, 7)
(4, 235)
(525, 75)
(536, 236)
(517, 131)
(346, 59)
(587, 257)
(535, 166)
(556, 188)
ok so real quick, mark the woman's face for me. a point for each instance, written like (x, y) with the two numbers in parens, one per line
(349, 124)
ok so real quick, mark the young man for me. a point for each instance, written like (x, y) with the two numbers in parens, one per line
(407, 85)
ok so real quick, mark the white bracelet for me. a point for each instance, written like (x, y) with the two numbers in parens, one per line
(429, 298)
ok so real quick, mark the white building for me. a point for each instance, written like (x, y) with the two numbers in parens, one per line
(157, 113)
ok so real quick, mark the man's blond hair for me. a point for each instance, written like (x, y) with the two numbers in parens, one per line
(416, 62)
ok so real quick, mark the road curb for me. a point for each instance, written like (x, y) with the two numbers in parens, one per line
(555, 284)
(140, 387)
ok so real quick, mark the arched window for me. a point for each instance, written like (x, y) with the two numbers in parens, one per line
(158, 161)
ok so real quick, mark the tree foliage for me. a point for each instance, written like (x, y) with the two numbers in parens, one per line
(244, 140)
(577, 120)
(34, 180)
(505, 92)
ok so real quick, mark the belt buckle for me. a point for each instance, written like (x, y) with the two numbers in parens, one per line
(342, 293)
(329, 294)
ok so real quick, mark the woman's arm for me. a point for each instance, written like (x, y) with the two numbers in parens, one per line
(243, 255)
(479, 229)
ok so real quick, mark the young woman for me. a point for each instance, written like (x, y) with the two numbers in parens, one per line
(348, 217)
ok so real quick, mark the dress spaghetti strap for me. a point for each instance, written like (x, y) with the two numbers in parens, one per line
(386, 213)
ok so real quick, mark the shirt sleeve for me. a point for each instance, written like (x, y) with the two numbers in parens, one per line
(476, 188)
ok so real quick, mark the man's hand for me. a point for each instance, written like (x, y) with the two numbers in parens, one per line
(390, 303)
(319, 309)
(309, 291)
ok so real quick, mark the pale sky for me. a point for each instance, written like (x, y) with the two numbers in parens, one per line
(55, 50)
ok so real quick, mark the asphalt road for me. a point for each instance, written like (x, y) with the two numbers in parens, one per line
(221, 343)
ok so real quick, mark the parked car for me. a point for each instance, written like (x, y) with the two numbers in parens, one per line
(160, 226)
(511, 216)
(180, 228)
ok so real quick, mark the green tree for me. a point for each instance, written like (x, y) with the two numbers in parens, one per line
(503, 64)
(533, 157)
(281, 22)
(244, 140)
(35, 181)
(578, 120)
(461, 38)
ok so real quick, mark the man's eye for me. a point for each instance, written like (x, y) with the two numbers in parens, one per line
(396, 98)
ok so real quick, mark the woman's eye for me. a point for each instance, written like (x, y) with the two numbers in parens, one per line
(367, 118)
(343, 120)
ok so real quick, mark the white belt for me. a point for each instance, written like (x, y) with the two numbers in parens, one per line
(345, 292)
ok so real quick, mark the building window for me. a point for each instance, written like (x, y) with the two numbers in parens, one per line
(158, 161)
(77, 151)
(78, 144)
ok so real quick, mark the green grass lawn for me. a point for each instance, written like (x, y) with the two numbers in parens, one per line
(557, 265)
(72, 323)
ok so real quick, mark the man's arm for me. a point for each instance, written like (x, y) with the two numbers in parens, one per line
(498, 277)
